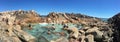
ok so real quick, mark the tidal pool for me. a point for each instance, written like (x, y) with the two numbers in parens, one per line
(40, 31)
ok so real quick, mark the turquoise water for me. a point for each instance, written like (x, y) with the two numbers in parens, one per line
(40, 31)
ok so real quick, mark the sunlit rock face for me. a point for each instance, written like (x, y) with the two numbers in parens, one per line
(55, 17)
(11, 32)
(44, 32)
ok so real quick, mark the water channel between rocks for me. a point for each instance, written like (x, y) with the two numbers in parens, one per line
(40, 31)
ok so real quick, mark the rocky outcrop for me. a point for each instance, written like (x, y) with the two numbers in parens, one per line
(114, 23)
(93, 29)
(24, 16)
(71, 18)
(11, 32)
(91, 34)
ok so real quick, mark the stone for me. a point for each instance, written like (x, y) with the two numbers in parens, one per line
(62, 39)
(90, 38)
(74, 32)
(73, 40)
(23, 35)
(82, 31)
(98, 35)
(82, 38)
(92, 30)
(8, 37)
(18, 27)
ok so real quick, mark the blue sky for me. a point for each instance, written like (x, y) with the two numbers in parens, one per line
(97, 8)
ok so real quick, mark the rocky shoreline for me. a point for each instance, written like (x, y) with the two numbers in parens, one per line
(93, 29)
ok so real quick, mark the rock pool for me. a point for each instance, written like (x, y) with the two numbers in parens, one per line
(40, 31)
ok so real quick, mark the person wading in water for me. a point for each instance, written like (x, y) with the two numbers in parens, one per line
(30, 27)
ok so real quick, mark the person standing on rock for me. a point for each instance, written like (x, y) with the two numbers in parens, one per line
(65, 26)
(14, 23)
(3, 19)
(7, 21)
(30, 27)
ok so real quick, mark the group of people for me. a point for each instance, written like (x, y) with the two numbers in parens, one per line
(5, 20)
